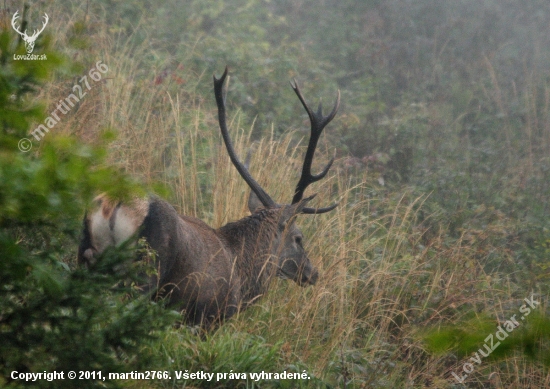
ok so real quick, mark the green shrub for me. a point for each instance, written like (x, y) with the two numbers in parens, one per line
(52, 317)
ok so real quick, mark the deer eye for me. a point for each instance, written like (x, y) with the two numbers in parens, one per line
(298, 240)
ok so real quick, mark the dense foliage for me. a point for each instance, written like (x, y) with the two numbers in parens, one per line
(54, 317)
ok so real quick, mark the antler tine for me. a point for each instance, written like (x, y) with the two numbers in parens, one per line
(311, 211)
(318, 123)
(13, 19)
(46, 19)
(265, 199)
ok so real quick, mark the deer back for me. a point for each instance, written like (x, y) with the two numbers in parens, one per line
(194, 266)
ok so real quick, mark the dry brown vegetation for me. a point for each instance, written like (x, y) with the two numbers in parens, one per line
(389, 266)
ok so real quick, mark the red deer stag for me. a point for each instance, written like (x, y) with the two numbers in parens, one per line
(209, 273)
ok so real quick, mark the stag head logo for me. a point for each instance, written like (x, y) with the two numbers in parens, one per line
(29, 40)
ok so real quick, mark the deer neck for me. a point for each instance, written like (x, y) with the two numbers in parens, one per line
(252, 241)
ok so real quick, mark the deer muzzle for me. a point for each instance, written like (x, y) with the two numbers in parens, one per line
(309, 277)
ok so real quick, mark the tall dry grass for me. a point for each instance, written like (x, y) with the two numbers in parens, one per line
(386, 272)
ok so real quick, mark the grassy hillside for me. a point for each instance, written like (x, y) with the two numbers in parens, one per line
(442, 173)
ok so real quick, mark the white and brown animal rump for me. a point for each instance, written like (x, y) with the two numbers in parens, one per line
(212, 273)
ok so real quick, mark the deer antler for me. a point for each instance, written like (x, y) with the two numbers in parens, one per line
(13, 19)
(318, 123)
(243, 171)
(36, 33)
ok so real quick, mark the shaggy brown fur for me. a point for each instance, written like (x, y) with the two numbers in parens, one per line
(208, 274)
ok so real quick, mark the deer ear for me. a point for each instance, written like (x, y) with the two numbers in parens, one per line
(254, 202)
(289, 211)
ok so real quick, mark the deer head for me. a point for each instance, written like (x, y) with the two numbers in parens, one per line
(292, 261)
(29, 40)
